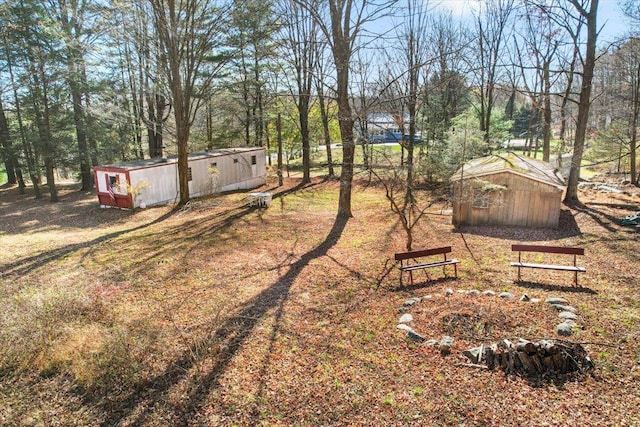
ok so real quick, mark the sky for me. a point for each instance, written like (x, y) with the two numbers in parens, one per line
(610, 17)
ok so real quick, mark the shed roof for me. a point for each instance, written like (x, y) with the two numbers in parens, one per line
(511, 163)
(145, 163)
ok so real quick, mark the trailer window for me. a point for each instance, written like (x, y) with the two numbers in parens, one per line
(235, 160)
(253, 160)
(189, 176)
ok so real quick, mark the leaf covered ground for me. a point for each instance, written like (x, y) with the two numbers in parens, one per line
(222, 314)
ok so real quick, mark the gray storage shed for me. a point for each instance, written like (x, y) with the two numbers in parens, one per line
(507, 189)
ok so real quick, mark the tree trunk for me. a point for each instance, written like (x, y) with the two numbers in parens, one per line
(181, 111)
(546, 144)
(342, 55)
(75, 65)
(584, 103)
(80, 124)
(634, 128)
(324, 116)
(279, 131)
(565, 99)
(28, 154)
(43, 120)
(346, 132)
(8, 156)
(258, 107)
(304, 133)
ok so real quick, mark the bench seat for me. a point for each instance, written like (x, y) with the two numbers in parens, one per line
(549, 266)
(429, 264)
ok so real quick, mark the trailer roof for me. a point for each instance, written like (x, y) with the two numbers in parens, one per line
(145, 163)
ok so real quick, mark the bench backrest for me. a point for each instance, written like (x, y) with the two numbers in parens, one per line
(423, 252)
(548, 249)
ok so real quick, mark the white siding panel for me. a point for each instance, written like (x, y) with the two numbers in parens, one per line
(157, 185)
(101, 181)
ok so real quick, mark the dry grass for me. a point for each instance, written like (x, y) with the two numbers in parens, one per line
(225, 315)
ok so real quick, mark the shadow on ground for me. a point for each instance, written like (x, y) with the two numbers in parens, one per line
(137, 406)
(555, 288)
(567, 227)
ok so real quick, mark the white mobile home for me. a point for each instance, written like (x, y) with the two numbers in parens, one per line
(155, 181)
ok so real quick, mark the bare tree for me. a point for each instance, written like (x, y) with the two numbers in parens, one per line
(573, 16)
(341, 26)
(324, 101)
(587, 12)
(365, 101)
(568, 72)
(631, 9)
(301, 39)
(446, 91)
(415, 59)
(619, 77)
(491, 27)
(252, 37)
(535, 52)
(191, 33)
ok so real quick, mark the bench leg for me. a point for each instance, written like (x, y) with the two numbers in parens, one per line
(518, 273)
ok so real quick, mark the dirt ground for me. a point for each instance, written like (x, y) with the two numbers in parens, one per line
(222, 314)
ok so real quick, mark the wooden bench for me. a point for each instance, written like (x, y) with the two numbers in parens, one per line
(410, 261)
(549, 250)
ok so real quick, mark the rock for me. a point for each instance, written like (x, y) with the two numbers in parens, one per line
(406, 318)
(431, 342)
(414, 336)
(427, 297)
(525, 298)
(404, 327)
(534, 300)
(556, 300)
(608, 189)
(410, 302)
(568, 315)
(462, 291)
(445, 345)
(473, 292)
(506, 295)
(564, 329)
(402, 310)
(562, 307)
(448, 292)
(488, 293)
(473, 354)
